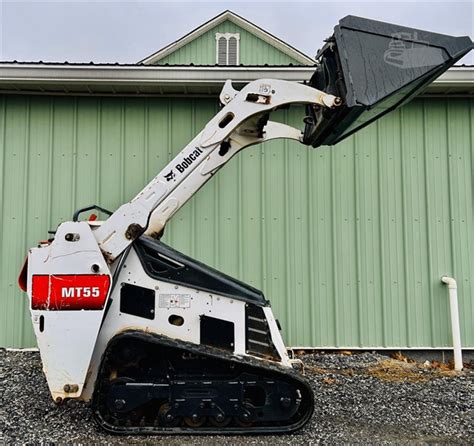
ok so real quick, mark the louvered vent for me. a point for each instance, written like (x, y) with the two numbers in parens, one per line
(258, 337)
(232, 51)
(222, 51)
(227, 48)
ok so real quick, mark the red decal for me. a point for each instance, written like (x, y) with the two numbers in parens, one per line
(69, 292)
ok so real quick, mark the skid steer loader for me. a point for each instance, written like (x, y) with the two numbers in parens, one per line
(160, 343)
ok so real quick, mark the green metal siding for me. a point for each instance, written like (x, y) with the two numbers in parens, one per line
(253, 50)
(348, 242)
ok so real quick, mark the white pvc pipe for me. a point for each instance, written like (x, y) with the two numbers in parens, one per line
(453, 303)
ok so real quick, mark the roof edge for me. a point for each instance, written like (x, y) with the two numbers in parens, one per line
(70, 79)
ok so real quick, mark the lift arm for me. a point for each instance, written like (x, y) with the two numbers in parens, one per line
(365, 70)
(242, 122)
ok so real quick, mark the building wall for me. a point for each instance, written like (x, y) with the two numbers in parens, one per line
(253, 50)
(349, 242)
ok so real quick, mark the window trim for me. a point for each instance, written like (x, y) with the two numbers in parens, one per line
(227, 37)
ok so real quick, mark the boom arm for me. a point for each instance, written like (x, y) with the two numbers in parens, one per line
(242, 122)
(362, 63)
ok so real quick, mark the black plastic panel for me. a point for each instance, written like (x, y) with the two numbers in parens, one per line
(168, 265)
(137, 301)
(217, 333)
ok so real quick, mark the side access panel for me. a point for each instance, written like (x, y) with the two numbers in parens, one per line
(68, 285)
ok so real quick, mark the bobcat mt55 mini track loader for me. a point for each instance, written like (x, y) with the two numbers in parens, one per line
(160, 343)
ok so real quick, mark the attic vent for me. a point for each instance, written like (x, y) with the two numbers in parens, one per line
(227, 48)
(222, 51)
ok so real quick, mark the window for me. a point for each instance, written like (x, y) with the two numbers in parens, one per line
(227, 48)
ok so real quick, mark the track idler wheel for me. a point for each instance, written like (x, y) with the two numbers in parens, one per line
(166, 417)
(194, 421)
(244, 420)
(220, 420)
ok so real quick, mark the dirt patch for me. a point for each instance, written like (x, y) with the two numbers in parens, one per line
(399, 368)
(399, 371)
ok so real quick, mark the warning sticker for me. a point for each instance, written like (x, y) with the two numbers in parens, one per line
(175, 301)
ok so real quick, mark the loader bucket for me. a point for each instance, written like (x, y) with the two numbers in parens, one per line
(374, 67)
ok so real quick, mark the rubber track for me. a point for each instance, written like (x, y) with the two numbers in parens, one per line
(307, 396)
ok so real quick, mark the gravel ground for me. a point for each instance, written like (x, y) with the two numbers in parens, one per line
(361, 398)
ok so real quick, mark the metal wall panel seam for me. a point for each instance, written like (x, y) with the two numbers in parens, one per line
(443, 208)
(337, 306)
(98, 153)
(471, 140)
(3, 129)
(50, 172)
(428, 226)
(470, 266)
(454, 270)
(357, 246)
(466, 238)
(74, 154)
(240, 222)
(381, 238)
(122, 151)
(146, 140)
(24, 226)
(310, 247)
(471, 131)
(404, 226)
(262, 225)
(438, 202)
(288, 293)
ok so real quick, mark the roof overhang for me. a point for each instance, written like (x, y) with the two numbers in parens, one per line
(140, 80)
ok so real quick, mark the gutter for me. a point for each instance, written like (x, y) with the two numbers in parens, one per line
(110, 74)
(65, 74)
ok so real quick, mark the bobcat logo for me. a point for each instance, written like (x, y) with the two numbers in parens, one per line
(170, 176)
(406, 51)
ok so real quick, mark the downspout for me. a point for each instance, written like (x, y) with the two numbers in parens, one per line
(456, 332)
